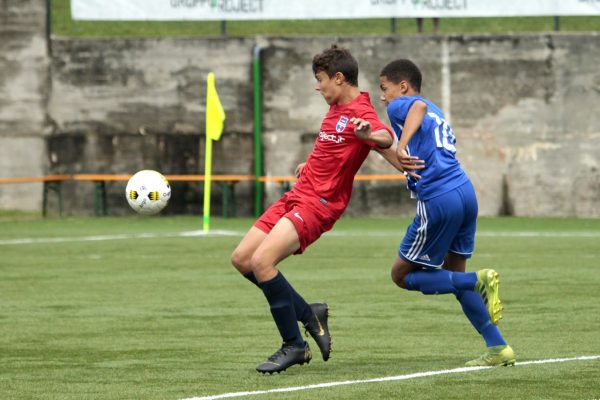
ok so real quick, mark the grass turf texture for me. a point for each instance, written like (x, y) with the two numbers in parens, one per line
(62, 24)
(169, 318)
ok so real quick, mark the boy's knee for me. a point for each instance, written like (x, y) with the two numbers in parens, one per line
(257, 263)
(398, 277)
(262, 267)
(240, 262)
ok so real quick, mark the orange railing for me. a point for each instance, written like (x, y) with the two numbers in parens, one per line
(53, 183)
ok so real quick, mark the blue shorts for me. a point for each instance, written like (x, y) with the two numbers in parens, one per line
(443, 224)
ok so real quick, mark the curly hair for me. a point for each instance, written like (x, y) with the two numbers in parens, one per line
(337, 59)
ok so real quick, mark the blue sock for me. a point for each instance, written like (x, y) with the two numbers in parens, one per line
(440, 281)
(475, 310)
(303, 311)
(278, 294)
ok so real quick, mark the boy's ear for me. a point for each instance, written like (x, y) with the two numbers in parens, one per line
(339, 78)
(404, 86)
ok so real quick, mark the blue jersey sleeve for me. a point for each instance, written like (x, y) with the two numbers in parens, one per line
(397, 111)
(434, 143)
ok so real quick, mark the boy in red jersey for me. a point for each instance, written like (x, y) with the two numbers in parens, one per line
(349, 131)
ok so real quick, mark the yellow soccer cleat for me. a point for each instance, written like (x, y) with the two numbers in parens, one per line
(488, 282)
(497, 356)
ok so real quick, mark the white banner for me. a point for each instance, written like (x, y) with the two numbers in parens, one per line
(224, 10)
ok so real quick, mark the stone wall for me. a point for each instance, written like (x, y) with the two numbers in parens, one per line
(523, 108)
(24, 84)
(118, 106)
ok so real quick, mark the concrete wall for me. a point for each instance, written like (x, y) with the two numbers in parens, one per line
(118, 106)
(523, 108)
(24, 82)
(531, 119)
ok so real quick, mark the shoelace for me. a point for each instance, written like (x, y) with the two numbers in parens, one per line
(489, 356)
(278, 353)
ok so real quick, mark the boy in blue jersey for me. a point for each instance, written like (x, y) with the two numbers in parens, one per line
(433, 254)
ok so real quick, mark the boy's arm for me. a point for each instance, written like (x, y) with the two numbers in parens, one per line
(413, 122)
(389, 154)
(363, 131)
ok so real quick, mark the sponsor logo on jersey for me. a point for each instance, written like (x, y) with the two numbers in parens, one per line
(341, 124)
(425, 258)
(325, 137)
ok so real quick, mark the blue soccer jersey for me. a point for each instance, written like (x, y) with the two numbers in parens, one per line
(434, 144)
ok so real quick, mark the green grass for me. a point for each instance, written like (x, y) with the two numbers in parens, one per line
(62, 24)
(18, 215)
(169, 318)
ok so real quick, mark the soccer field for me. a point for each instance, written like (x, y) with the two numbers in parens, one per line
(148, 308)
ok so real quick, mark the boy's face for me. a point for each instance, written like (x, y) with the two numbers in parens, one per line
(330, 88)
(391, 90)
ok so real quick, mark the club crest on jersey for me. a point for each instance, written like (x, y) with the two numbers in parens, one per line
(341, 124)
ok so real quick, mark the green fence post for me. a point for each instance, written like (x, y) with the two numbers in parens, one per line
(233, 199)
(225, 199)
(60, 198)
(45, 200)
(258, 161)
(100, 199)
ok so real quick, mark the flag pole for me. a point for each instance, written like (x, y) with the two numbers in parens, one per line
(207, 182)
(215, 116)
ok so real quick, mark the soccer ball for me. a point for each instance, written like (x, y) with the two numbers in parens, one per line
(148, 192)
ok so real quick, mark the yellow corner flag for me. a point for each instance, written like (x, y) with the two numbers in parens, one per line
(215, 116)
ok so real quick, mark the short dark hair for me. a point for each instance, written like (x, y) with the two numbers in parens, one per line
(403, 70)
(337, 59)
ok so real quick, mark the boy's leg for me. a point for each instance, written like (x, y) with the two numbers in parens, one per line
(445, 224)
(303, 310)
(413, 276)
(425, 244)
(475, 310)
(242, 255)
(259, 252)
(314, 317)
(499, 353)
(281, 242)
(473, 306)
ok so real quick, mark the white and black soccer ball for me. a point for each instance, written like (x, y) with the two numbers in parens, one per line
(148, 192)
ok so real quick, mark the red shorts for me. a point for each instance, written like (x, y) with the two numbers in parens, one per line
(310, 218)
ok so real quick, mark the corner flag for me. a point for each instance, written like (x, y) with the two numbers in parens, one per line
(215, 117)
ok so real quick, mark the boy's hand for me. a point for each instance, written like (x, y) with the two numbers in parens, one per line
(410, 164)
(298, 170)
(362, 128)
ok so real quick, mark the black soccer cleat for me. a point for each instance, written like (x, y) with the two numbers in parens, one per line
(285, 357)
(318, 329)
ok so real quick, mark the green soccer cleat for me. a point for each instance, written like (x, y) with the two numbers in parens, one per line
(488, 282)
(497, 356)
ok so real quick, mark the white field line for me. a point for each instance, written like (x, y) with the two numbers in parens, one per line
(123, 236)
(383, 379)
(342, 233)
(481, 233)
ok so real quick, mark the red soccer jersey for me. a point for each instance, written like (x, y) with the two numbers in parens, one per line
(338, 154)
